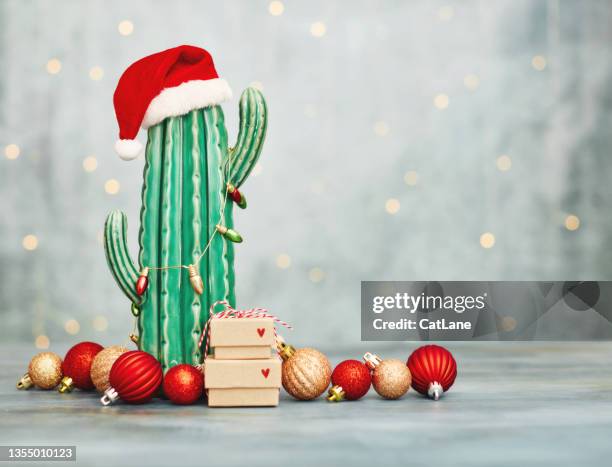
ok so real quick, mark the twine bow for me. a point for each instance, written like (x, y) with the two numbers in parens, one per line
(229, 313)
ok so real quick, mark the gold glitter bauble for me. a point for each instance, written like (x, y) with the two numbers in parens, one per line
(45, 370)
(102, 364)
(306, 373)
(391, 379)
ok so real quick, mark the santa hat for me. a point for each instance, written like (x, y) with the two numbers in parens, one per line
(166, 84)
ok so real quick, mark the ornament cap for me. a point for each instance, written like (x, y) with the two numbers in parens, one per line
(435, 391)
(371, 360)
(109, 397)
(134, 338)
(335, 394)
(66, 385)
(285, 350)
(25, 382)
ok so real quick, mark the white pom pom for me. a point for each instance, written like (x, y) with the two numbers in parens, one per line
(128, 149)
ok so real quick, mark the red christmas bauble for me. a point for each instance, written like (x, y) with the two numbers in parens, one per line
(183, 384)
(433, 370)
(350, 380)
(134, 377)
(77, 365)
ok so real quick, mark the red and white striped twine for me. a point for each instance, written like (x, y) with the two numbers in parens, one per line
(230, 312)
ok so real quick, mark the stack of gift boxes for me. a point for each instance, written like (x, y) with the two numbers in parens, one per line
(243, 369)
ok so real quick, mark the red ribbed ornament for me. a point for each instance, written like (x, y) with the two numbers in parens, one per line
(433, 370)
(134, 378)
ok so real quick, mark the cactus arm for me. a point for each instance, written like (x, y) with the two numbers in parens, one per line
(220, 269)
(117, 255)
(194, 223)
(148, 322)
(252, 132)
(171, 282)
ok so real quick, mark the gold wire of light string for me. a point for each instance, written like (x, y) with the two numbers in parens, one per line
(214, 232)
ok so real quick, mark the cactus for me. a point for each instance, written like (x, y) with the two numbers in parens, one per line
(188, 165)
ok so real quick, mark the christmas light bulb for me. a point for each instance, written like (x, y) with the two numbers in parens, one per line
(143, 282)
(195, 280)
(236, 196)
(230, 234)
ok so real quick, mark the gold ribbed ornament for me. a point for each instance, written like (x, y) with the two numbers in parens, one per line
(102, 364)
(306, 373)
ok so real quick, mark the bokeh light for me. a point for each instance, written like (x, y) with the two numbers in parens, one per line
(125, 27)
(72, 326)
(318, 29)
(392, 206)
(283, 261)
(504, 163)
(54, 66)
(30, 242)
(12, 151)
(276, 8)
(42, 342)
(487, 240)
(90, 163)
(572, 222)
(441, 101)
(112, 186)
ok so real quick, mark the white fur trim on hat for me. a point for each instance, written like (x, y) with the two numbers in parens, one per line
(186, 97)
(128, 149)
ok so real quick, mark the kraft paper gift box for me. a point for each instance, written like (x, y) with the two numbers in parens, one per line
(220, 374)
(243, 397)
(242, 383)
(242, 338)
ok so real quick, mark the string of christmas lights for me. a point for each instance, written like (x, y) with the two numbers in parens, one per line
(230, 234)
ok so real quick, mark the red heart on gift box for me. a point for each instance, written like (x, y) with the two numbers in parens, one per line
(261, 331)
(265, 372)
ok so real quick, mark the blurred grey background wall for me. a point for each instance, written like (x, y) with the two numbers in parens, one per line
(407, 140)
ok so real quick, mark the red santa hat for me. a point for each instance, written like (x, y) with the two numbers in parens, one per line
(169, 83)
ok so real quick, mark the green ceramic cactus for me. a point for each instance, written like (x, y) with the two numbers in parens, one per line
(188, 166)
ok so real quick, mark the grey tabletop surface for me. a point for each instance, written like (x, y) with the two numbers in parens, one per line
(517, 403)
